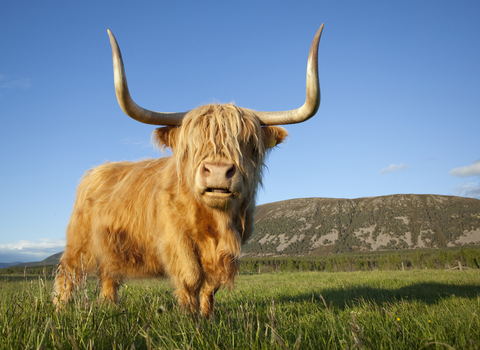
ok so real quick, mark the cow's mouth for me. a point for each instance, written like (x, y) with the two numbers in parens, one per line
(218, 191)
(220, 198)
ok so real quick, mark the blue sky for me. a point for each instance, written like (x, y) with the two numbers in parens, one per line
(400, 110)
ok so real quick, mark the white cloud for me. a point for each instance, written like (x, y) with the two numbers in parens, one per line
(395, 167)
(469, 189)
(466, 171)
(7, 82)
(130, 141)
(27, 251)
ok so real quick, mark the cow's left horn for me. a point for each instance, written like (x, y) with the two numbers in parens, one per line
(312, 101)
(125, 101)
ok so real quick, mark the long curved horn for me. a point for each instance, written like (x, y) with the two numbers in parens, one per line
(125, 101)
(312, 101)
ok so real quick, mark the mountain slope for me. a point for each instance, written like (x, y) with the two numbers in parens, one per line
(51, 260)
(4, 265)
(325, 225)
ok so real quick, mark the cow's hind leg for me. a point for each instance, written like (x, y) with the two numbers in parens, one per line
(66, 279)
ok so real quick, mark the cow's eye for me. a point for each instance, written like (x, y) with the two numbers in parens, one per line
(254, 151)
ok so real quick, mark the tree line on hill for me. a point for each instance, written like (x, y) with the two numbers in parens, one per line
(466, 257)
(450, 258)
(47, 270)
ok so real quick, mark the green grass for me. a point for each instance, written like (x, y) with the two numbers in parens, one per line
(419, 309)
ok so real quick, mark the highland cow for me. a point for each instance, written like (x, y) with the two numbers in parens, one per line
(185, 216)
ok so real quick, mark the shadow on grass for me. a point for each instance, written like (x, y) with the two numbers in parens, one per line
(429, 293)
(426, 292)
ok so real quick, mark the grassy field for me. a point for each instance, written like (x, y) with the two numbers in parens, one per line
(419, 309)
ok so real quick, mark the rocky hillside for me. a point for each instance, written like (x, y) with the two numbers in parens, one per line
(324, 225)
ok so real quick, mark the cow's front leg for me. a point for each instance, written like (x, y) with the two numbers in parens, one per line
(207, 298)
(187, 278)
(188, 290)
(110, 286)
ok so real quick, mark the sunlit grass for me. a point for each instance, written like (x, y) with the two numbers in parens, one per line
(310, 310)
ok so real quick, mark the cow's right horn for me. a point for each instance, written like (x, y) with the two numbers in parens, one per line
(125, 101)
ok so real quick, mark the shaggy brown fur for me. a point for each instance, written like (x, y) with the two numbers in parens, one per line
(171, 216)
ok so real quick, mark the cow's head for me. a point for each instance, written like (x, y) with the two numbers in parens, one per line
(220, 149)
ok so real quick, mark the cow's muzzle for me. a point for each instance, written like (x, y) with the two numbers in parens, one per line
(216, 178)
(217, 175)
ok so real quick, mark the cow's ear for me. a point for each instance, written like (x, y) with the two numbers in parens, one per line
(273, 135)
(165, 137)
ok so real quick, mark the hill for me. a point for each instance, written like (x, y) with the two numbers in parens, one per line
(51, 260)
(3, 265)
(320, 226)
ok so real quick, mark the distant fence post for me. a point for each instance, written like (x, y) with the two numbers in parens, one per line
(460, 265)
(403, 267)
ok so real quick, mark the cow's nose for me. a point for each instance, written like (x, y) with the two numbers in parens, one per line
(218, 172)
